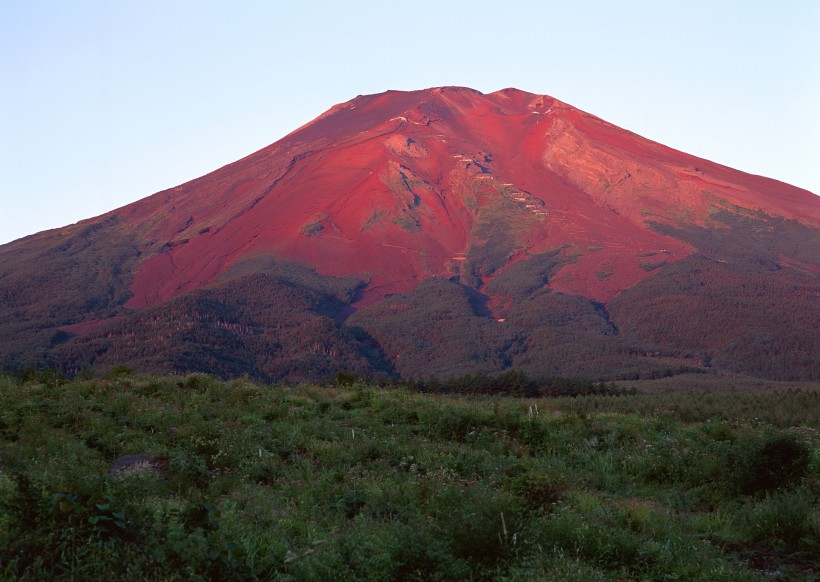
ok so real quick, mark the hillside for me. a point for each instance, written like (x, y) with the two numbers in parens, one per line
(434, 232)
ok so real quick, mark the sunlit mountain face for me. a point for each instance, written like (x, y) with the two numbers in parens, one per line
(434, 233)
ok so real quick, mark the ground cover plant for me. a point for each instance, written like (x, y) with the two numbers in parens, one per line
(246, 481)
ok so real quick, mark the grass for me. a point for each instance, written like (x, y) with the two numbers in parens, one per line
(356, 482)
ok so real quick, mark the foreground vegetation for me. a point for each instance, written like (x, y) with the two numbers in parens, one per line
(248, 481)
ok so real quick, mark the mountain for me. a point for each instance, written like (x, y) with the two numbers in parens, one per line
(434, 232)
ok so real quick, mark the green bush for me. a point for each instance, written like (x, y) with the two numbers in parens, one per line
(790, 520)
(345, 378)
(769, 461)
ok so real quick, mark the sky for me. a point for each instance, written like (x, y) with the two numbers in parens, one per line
(103, 103)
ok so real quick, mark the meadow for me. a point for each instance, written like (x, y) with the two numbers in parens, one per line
(248, 481)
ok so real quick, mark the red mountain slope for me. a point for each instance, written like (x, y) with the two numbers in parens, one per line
(436, 232)
(400, 186)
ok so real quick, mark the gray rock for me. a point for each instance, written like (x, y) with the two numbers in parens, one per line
(130, 464)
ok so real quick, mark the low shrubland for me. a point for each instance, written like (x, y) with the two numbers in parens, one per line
(247, 481)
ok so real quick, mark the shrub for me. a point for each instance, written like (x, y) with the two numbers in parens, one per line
(763, 463)
(344, 378)
(536, 489)
(789, 520)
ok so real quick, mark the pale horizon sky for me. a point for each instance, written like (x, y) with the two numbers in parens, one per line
(105, 103)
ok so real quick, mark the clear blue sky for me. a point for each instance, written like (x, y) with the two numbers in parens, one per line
(103, 103)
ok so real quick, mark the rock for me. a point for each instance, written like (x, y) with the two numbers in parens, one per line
(130, 464)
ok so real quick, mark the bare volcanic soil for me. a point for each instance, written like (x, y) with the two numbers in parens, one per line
(559, 235)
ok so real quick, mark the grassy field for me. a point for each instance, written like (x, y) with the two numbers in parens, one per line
(254, 482)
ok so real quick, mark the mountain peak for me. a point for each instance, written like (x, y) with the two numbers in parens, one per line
(397, 186)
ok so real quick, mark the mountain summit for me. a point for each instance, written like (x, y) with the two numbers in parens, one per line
(434, 232)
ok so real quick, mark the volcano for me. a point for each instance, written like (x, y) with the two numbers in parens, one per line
(434, 233)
